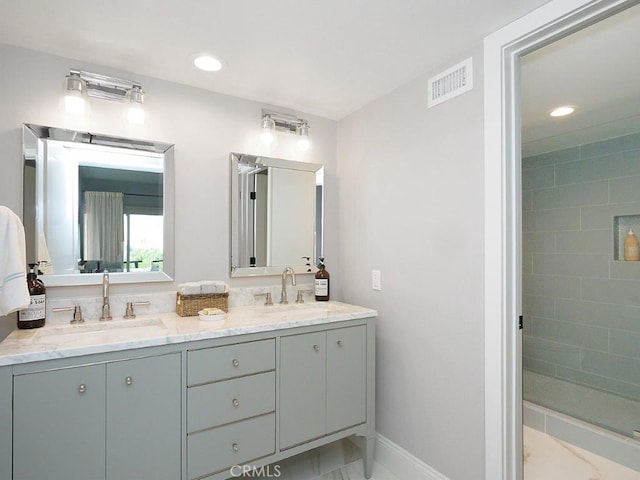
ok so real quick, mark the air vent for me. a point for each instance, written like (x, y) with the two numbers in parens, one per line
(451, 83)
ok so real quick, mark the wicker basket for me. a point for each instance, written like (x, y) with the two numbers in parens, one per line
(190, 305)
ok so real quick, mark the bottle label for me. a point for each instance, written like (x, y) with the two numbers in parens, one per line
(36, 309)
(322, 287)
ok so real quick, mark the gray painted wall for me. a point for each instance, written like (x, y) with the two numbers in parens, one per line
(582, 305)
(412, 207)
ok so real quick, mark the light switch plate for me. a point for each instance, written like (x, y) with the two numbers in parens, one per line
(376, 280)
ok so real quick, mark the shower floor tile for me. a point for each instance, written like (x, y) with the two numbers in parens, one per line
(547, 458)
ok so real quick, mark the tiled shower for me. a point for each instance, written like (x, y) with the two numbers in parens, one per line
(581, 300)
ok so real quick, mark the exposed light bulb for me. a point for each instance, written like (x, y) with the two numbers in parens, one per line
(304, 142)
(135, 112)
(268, 133)
(74, 101)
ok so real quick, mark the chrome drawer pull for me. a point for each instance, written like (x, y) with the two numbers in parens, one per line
(82, 388)
(340, 343)
(235, 362)
(235, 447)
(128, 380)
(316, 348)
(235, 402)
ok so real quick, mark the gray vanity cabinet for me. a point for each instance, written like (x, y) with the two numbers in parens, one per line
(323, 383)
(143, 418)
(59, 424)
(103, 421)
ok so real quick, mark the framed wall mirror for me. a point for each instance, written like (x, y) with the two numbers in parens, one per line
(96, 202)
(276, 215)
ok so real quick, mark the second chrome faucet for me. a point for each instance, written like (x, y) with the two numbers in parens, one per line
(287, 271)
(106, 309)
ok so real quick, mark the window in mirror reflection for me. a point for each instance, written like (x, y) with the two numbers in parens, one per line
(117, 195)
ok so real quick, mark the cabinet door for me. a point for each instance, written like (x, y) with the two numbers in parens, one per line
(346, 377)
(143, 418)
(59, 424)
(302, 388)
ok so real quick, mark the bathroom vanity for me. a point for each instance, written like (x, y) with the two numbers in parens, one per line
(173, 397)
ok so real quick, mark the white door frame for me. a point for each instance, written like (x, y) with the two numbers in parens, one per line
(503, 375)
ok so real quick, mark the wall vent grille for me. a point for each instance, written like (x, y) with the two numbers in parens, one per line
(451, 83)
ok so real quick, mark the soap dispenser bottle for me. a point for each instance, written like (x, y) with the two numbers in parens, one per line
(322, 283)
(34, 315)
(631, 247)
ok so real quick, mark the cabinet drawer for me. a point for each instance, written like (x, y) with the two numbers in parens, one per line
(220, 363)
(219, 449)
(231, 400)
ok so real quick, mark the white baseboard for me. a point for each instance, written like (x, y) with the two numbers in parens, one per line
(401, 463)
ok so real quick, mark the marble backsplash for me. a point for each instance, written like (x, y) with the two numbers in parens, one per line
(163, 302)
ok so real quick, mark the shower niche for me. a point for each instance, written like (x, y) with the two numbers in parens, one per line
(621, 226)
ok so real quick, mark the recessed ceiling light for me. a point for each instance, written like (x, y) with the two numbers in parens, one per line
(562, 111)
(207, 63)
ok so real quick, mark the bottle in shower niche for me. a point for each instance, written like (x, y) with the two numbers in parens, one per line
(34, 315)
(322, 283)
(631, 247)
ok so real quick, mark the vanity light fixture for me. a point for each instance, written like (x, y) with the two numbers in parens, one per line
(80, 83)
(277, 121)
(562, 111)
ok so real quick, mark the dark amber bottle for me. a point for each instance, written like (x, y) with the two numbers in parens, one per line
(34, 315)
(322, 283)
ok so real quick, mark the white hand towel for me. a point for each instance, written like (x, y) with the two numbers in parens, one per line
(189, 288)
(14, 294)
(213, 286)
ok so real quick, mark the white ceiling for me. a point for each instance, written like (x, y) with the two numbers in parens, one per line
(596, 69)
(323, 57)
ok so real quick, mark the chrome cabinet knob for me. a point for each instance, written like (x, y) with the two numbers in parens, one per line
(316, 348)
(235, 402)
(235, 362)
(235, 447)
(82, 388)
(128, 380)
(340, 343)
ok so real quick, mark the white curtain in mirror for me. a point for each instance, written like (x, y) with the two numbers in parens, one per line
(104, 228)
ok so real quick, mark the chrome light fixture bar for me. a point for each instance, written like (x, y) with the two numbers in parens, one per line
(284, 122)
(104, 86)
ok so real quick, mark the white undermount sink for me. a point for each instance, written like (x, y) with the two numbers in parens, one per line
(293, 310)
(95, 327)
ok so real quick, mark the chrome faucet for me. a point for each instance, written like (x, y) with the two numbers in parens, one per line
(283, 296)
(106, 309)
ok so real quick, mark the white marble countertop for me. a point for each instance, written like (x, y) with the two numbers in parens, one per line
(61, 341)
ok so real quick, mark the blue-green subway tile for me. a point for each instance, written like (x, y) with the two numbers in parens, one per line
(583, 265)
(551, 220)
(628, 390)
(625, 270)
(625, 292)
(538, 366)
(592, 193)
(609, 315)
(598, 168)
(611, 366)
(551, 286)
(533, 306)
(551, 352)
(542, 177)
(584, 241)
(527, 201)
(579, 335)
(624, 190)
(601, 216)
(624, 342)
(539, 242)
(613, 145)
(559, 156)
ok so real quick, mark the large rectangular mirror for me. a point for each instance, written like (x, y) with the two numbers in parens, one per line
(276, 215)
(94, 203)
